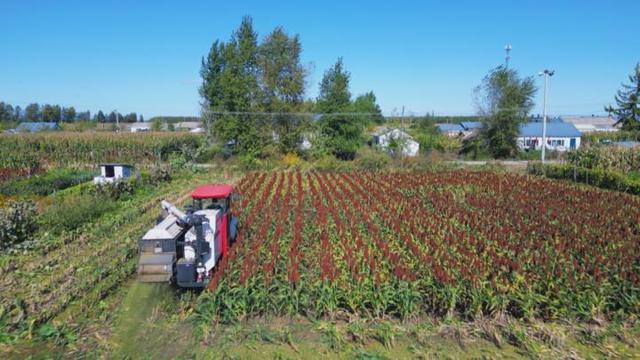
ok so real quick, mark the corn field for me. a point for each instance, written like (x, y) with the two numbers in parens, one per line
(381, 244)
(26, 153)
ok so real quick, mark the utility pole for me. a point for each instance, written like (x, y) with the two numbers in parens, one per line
(507, 49)
(402, 118)
(546, 73)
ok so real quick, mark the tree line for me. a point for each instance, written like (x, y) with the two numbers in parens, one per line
(60, 114)
(254, 97)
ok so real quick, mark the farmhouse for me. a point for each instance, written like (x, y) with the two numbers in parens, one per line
(386, 138)
(110, 173)
(140, 128)
(188, 126)
(560, 136)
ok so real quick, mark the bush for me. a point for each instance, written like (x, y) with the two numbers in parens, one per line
(291, 160)
(597, 177)
(46, 183)
(369, 159)
(331, 163)
(156, 175)
(17, 224)
(71, 212)
(116, 191)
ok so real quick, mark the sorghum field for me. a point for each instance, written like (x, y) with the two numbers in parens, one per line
(384, 244)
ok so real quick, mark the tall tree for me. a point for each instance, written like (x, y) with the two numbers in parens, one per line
(6, 112)
(282, 80)
(113, 117)
(32, 112)
(68, 114)
(84, 115)
(628, 103)
(366, 103)
(505, 100)
(342, 133)
(282, 75)
(51, 113)
(18, 113)
(100, 117)
(334, 90)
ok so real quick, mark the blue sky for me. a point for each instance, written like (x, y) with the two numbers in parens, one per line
(144, 56)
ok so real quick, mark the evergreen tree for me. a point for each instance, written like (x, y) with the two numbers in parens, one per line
(342, 133)
(113, 117)
(628, 101)
(18, 113)
(100, 117)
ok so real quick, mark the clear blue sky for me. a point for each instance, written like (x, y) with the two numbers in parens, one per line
(144, 56)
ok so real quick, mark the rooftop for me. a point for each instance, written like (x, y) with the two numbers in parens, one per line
(555, 129)
(211, 191)
(36, 126)
(449, 127)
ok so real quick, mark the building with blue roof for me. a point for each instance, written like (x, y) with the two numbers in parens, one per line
(471, 125)
(560, 136)
(450, 129)
(37, 127)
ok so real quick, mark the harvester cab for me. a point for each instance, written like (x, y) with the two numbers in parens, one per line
(185, 246)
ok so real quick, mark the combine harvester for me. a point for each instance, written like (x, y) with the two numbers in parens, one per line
(185, 247)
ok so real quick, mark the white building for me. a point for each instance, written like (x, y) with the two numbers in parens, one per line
(140, 128)
(110, 173)
(385, 139)
(589, 124)
(560, 136)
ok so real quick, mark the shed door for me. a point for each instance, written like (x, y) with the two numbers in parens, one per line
(572, 143)
(109, 171)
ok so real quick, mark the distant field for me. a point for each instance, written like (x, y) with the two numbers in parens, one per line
(23, 154)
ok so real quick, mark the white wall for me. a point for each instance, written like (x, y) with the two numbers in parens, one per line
(553, 143)
(410, 148)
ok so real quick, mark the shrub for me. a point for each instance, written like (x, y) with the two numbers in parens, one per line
(369, 159)
(330, 162)
(116, 191)
(597, 177)
(156, 175)
(46, 183)
(71, 212)
(292, 160)
(17, 224)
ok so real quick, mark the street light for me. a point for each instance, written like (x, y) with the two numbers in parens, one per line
(546, 73)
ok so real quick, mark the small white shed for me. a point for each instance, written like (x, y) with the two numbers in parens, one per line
(110, 173)
(386, 138)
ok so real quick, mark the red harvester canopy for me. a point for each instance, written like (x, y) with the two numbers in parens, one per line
(212, 191)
